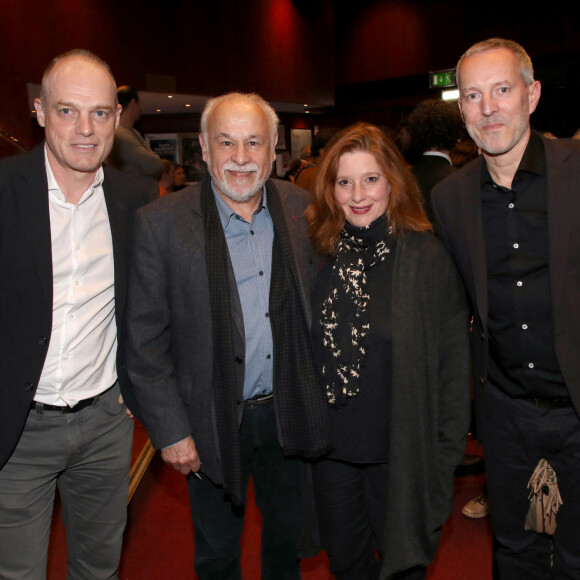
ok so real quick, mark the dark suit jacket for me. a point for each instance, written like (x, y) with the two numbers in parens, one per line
(457, 209)
(26, 280)
(170, 352)
(429, 171)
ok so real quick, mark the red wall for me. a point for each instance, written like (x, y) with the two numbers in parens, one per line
(272, 47)
(286, 50)
(383, 39)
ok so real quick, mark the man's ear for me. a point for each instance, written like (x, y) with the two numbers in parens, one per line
(535, 90)
(274, 147)
(203, 147)
(39, 112)
(118, 115)
(459, 105)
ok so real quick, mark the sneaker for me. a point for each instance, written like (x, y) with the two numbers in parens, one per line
(476, 508)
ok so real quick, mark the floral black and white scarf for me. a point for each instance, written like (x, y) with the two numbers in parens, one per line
(345, 322)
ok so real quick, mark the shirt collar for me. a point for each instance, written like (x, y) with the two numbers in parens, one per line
(227, 213)
(437, 154)
(54, 188)
(533, 160)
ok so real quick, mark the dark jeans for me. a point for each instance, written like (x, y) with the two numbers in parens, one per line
(278, 485)
(517, 435)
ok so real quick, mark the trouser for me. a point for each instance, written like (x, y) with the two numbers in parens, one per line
(351, 500)
(278, 485)
(517, 434)
(87, 456)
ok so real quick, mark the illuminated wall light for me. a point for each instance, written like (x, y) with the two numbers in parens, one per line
(452, 95)
(169, 96)
(187, 105)
(158, 110)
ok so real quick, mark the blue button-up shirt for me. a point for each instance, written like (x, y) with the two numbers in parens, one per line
(250, 249)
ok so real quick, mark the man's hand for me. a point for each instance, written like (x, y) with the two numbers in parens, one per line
(182, 456)
(127, 410)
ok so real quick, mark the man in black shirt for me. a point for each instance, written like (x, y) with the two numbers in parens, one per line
(510, 220)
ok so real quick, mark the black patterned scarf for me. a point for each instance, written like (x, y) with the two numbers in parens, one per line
(345, 322)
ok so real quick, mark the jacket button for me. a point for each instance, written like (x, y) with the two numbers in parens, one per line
(42, 340)
(239, 359)
(28, 387)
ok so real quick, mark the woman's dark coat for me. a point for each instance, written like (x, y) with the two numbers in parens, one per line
(430, 400)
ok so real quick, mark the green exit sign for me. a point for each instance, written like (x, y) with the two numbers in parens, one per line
(443, 78)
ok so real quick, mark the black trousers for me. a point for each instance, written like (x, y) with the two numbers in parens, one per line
(278, 484)
(350, 502)
(517, 434)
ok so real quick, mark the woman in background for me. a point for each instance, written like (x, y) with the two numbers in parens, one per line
(179, 178)
(391, 337)
(165, 180)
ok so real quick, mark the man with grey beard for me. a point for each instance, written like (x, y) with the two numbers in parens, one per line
(220, 351)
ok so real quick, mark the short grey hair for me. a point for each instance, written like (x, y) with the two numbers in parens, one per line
(248, 98)
(526, 67)
(76, 52)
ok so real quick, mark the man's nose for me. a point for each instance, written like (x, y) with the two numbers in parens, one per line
(488, 105)
(240, 155)
(84, 124)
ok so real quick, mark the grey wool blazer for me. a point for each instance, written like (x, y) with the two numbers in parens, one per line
(170, 355)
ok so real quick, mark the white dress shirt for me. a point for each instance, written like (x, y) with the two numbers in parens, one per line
(81, 358)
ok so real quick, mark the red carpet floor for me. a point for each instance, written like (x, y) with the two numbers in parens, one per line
(159, 536)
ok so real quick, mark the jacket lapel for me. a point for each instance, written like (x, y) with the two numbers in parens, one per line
(300, 269)
(117, 211)
(476, 245)
(469, 210)
(563, 179)
(32, 199)
(235, 304)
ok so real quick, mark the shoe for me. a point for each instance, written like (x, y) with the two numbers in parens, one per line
(476, 508)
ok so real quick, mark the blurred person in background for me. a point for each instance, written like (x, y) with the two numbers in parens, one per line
(179, 178)
(130, 153)
(434, 126)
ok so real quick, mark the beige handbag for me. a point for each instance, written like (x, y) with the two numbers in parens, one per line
(545, 499)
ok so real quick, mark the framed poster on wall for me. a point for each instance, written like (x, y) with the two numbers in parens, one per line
(191, 156)
(299, 138)
(164, 144)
